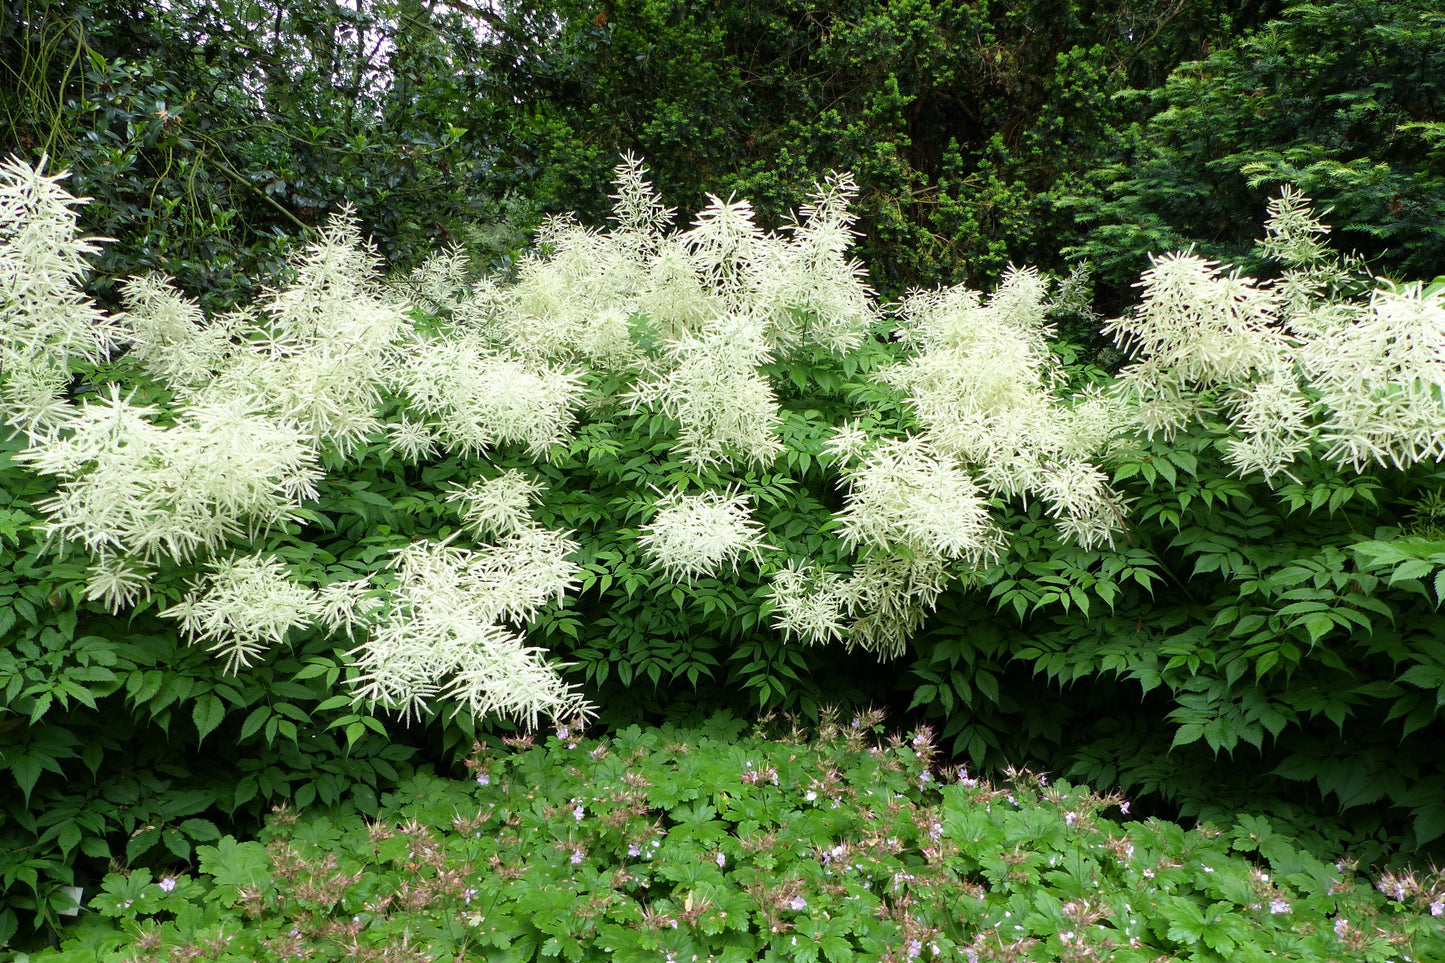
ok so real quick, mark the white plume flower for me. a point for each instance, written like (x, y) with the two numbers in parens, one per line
(810, 603)
(46, 320)
(411, 439)
(1088, 511)
(440, 635)
(674, 298)
(1293, 235)
(497, 506)
(117, 581)
(169, 334)
(903, 494)
(346, 605)
(725, 245)
(475, 398)
(847, 443)
(129, 487)
(693, 535)
(1204, 326)
(725, 408)
(890, 594)
(636, 206)
(1382, 378)
(1272, 416)
(328, 343)
(1160, 402)
(809, 290)
(244, 608)
(437, 285)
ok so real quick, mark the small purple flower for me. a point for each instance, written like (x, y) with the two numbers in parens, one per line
(721, 860)
(167, 884)
(1437, 908)
(914, 948)
(810, 795)
(577, 813)
(467, 896)
(798, 904)
(1124, 808)
(484, 779)
(564, 733)
(1277, 906)
(578, 855)
(634, 850)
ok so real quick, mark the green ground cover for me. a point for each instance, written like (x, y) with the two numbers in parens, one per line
(721, 843)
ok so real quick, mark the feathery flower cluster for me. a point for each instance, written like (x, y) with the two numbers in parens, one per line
(693, 535)
(132, 488)
(258, 394)
(1198, 325)
(1382, 377)
(45, 318)
(725, 408)
(712, 302)
(904, 494)
(475, 398)
(1366, 380)
(810, 603)
(891, 595)
(498, 506)
(911, 513)
(983, 382)
(441, 633)
(171, 337)
(246, 606)
(320, 348)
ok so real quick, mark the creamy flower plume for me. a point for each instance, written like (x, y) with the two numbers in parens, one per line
(244, 608)
(46, 320)
(902, 494)
(694, 535)
(1382, 377)
(983, 381)
(441, 634)
(725, 408)
(498, 506)
(132, 488)
(322, 347)
(609, 298)
(1203, 325)
(475, 399)
(169, 334)
(810, 603)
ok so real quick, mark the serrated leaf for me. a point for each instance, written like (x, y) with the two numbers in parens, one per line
(1411, 570)
(1187, 733)
(207, 715)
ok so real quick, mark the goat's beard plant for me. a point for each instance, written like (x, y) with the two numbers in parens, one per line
(689, 328)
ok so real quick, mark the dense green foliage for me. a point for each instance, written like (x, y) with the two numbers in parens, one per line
(1342, 99)
(963, 119)
(1244, 645)
(718, 844)
(204, 129)
(213, 136)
